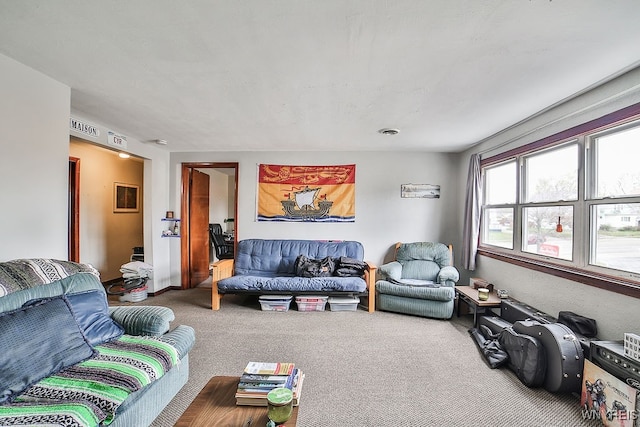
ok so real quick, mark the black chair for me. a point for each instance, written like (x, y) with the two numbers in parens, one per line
(215, 228)
(223, 249)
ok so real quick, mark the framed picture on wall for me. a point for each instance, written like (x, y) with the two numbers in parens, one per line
(126, 197)
(424, 191)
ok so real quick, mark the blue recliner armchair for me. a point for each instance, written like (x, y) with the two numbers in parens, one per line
(420, 281)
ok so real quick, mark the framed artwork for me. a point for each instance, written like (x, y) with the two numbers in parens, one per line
(126, 197)
(428, 191)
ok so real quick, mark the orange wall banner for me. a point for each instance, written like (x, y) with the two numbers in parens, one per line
(306, 193)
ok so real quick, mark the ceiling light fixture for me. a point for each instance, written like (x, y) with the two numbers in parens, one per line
(160, 141)
(123, 155)
(389, 131)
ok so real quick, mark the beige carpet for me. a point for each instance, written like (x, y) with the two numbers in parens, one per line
(362, 369)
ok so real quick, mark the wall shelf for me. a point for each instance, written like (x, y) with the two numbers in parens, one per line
(170, 231)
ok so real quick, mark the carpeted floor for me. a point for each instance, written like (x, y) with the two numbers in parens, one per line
(362, 369)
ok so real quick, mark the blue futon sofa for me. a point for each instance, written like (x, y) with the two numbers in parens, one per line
(268, 267)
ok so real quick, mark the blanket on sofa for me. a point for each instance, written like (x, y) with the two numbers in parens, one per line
(90, 392)
(20, 274)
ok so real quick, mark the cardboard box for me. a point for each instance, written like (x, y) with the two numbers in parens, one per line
(477, 283)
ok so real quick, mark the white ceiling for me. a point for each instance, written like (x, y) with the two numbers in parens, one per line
(320, 75)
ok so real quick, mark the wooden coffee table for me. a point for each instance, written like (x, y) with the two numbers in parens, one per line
(216, 405)
(470, 296)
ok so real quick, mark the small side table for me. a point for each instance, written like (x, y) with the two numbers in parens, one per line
(470, 297)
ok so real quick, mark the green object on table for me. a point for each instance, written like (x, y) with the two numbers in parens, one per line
(280, 405)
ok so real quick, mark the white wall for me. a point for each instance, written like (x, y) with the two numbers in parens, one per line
(382, 217)
(615, 313)
(218, 196)
(34, 118)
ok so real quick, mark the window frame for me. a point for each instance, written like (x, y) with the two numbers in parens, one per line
(579, 269)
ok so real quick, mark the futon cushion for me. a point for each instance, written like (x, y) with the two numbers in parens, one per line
(37, 341)
(292, 284)
(258, 257)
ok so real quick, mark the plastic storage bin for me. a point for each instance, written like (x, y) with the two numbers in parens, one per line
(135, 295)
(309, 303)
(275, 302)
(344, 303)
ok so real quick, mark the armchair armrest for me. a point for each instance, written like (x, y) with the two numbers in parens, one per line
(448, 275)
(370, 278)
(143, 320)
(221, 270)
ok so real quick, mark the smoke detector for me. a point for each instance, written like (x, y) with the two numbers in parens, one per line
(389, 131)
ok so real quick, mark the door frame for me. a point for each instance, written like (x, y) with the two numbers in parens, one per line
(185, 187)
(73, 248)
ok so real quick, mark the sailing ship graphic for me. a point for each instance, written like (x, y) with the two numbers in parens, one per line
(303, 204)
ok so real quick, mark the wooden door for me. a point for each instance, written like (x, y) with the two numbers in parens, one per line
(198, 228)
(185, 246)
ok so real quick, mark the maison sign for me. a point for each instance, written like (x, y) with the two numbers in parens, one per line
(82, 127)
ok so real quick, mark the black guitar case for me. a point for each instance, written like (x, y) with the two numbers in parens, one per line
(512, 311)
(565, 359)
(494, 323)
(526, 356)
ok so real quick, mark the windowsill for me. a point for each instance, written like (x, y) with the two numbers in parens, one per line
(602, 281)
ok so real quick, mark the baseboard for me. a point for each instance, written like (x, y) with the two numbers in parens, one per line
(162, 291)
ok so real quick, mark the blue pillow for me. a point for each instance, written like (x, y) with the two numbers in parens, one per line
(92, 313)
(38, 341)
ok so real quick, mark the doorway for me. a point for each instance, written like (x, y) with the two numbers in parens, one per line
(194, 263)
(98, 232)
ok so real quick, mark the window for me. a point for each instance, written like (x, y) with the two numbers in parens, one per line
(570, 203)
(617, 242)
(617, 171)
(500, 194)
(500, 183)
(552, 175)
(498, 228)
(540, 231)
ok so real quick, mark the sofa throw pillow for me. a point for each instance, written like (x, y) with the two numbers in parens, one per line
(90, 310)
(37, 341)
(92, 313)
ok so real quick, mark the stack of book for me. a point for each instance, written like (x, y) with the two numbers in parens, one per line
(259, 378)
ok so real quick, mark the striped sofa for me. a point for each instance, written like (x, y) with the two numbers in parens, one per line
(60, 341)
